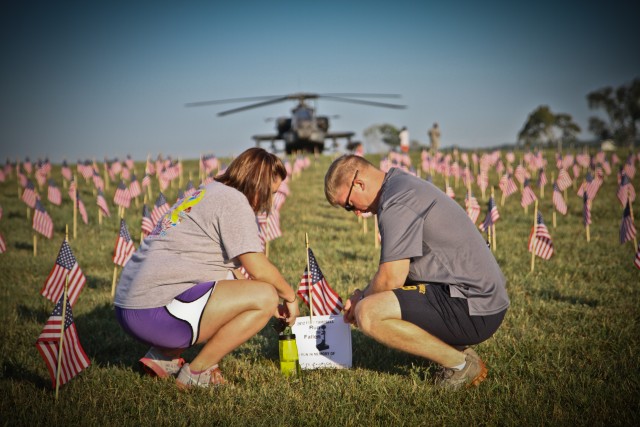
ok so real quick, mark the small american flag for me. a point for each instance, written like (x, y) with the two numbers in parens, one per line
(29, 195)
(326, 301)
(586, 210)
(65, 264)
(102, 204)
(472, 207)
(147, 224)
(636, 262)
(159, 209)
(540, 239)
(122, 196)
(124, 245)
(626, 190)
(558, 200)
(528, 196)
(53, 193)
(492, 215)
(134, 187)
(66, 171)
(590, 186)
(3, 245)
(97, 180)
(542, 178)
(564, 180)
(146, 181)
(82, 209)
(73, 189)
(627, 227)
(74, 359)
(520, 173)
(42, 222)
(507, 185)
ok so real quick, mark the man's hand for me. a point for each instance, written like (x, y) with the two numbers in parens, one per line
(350, 307)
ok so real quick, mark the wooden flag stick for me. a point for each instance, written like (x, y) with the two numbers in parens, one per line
(365, 229)
(64, 314)
(113, 282)
(75, 210)
(587, 225)
(309, 284)
(376, 231)
(493, 224)
(535, 230)
(99, 216)
(35, 243)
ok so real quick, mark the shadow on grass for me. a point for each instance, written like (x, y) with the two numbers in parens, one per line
(557, 296)
(24, 246)
(95, 282)
(31, 314)
(371, 355)
(18, 373)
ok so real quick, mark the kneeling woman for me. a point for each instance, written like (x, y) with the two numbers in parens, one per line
(177, 289)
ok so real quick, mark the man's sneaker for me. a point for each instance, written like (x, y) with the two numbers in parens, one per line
(471, 375)
(209, 378)
(156, 364)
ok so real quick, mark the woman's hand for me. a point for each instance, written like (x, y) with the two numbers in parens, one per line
(289, 311)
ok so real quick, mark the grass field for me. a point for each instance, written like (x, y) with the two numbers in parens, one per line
(567, 353)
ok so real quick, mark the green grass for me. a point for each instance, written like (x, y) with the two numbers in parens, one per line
(566, 354)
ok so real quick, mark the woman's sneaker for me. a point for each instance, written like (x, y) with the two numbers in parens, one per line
(158, 365)
(471, 375)
(211, 377)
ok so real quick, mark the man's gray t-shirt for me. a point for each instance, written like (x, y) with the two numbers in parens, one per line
(420, 222)
(197, 241)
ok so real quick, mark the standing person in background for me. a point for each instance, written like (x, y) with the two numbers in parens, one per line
(404, 140)
(177, 290)
(434, 136)
(438, 288)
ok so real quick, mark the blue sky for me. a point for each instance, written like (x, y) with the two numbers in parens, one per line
(87, 80)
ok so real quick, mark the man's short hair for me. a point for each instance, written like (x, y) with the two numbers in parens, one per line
(341, 173)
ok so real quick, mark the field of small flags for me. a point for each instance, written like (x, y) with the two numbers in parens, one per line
(562, 227)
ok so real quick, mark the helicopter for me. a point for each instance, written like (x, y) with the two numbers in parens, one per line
(304, 130)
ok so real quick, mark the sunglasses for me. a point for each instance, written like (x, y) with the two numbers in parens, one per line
(348, 206)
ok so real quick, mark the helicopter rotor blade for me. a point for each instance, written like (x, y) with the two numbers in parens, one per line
(256, 105)
(225, 101)
(359, 101)
(362, 95)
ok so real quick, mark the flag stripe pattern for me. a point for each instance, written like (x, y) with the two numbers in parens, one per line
(540, 240)
(124, 246)
(627, 227)
(326, 301)
(65, 264)
(42, 222)
(74, 359)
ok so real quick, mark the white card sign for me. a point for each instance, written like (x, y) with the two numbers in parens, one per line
(323, 343)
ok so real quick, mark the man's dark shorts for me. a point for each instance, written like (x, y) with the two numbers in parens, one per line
(430, 307)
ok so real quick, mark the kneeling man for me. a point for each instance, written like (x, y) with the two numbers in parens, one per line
(438, 288)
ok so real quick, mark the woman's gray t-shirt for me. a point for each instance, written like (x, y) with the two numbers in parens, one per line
(197, 241)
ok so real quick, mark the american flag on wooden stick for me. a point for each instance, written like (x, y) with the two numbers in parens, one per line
(147, 224)
(134, 186)
(492, 215)
(124, 245)
(3, 244)
(42, 222)
(326, 301)
(102, 204)
(29, 195)
(627, 227)
(159, 209)
(82, 209)
(636, 262)
(528, 196)
(558, 200)
(65, 264)
(564, 180)
(507, 185)
(472, 207)
(53, 193)
(626, 190)
(540, 240)
(122, 196)
(74, 359)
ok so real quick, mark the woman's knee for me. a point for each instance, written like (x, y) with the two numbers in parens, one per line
(266, 297)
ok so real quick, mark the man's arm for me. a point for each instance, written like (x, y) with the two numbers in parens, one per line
(390, 275)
